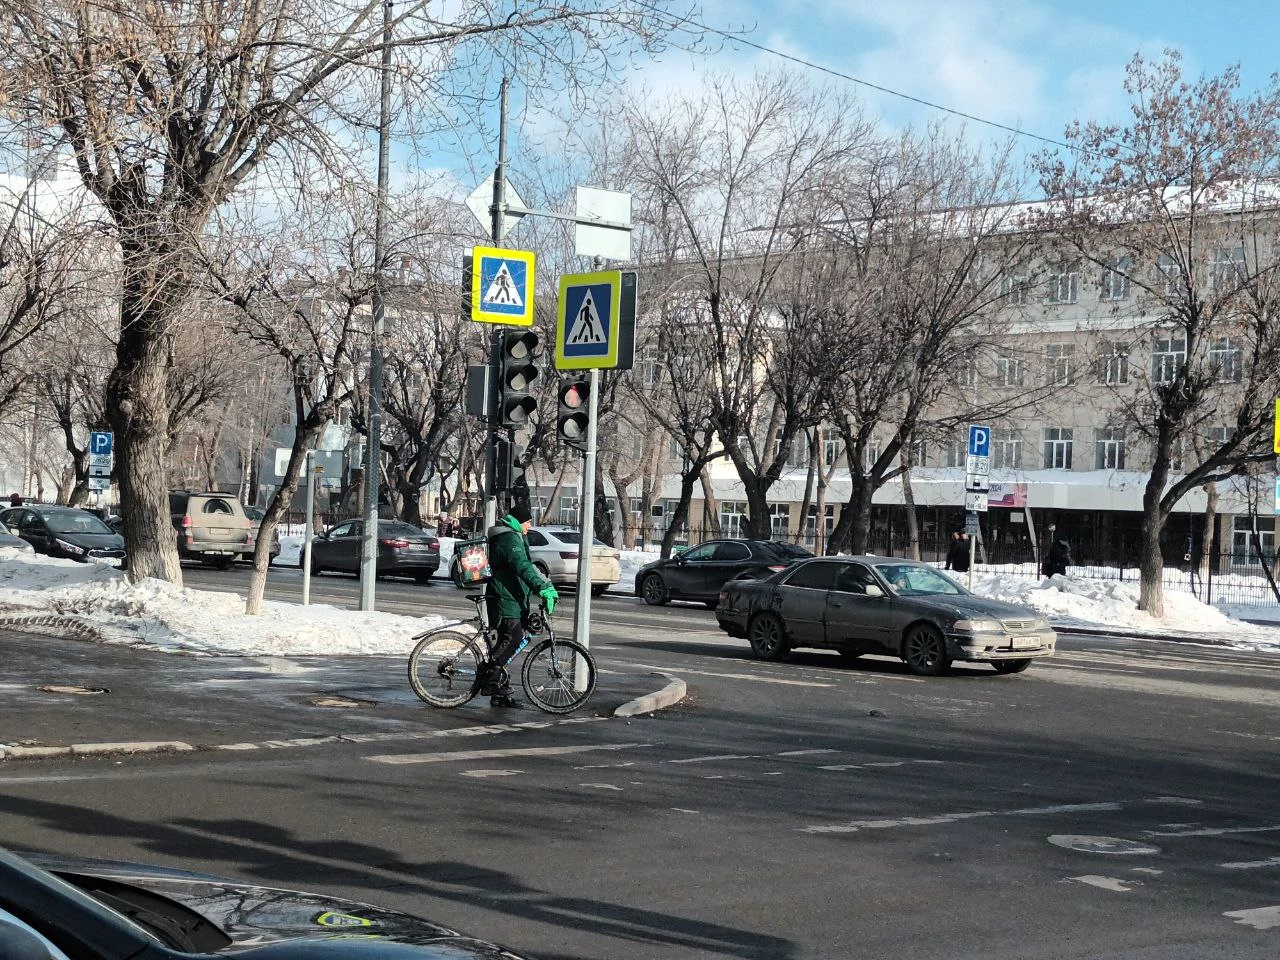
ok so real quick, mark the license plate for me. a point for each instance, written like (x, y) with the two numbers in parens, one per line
(1024, 643)
(106, 561)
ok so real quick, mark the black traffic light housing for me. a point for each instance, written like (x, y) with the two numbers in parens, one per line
(518, 371)
(574, 416)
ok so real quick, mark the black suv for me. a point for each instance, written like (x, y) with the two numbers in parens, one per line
(699, 572)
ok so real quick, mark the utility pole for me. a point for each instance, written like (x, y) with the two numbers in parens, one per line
(497, 229)
(372, 458)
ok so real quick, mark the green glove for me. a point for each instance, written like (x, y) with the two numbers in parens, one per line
(549, 597)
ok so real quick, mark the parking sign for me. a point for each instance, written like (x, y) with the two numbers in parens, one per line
(100, 443)
(979, 441)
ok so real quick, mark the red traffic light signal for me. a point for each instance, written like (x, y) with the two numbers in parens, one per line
(573, 417)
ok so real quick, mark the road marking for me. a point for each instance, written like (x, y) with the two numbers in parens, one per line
(1211, 831)
(1114, 884)
(452, 755)
(756, 678)
(483, 774)
(720, 756)
(601, 786)
(802, 753)
(1154, 685)
(853, 826)
(1262, 918)
(683, 810)
(1110, 846)
(1251, 864)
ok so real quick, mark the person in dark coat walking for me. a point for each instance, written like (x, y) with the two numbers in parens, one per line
(1057, 559)
(958, 554)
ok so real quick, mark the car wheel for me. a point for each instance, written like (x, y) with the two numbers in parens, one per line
(223, 563)
(422, 576)
(768, 637)
(316, 569)
(542, 569)
(598, 588)
(654, 591)
(1011, 666)
(925, 651)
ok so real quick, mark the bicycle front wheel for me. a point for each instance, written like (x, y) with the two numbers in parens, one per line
(559, 676)
(443, 668)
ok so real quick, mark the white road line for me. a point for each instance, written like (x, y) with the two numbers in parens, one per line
(853, 826)
(484, 774)
(803, 753)
(1261, 918)
(719, 756)
(1251, 864)
(1212, 831)
(734, 676)
(1114, 884)
(452, 755)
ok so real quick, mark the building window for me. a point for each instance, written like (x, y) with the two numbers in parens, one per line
(779, 451)
(1168, 354)
(779, 520)
(1242, 550)
(871, 453)
(832, 447)
(733, 515)
(956, 449)
(1108, 448)
(675, 449)
(568, 511)
(919, 452)
(1058, 363)
(1057, 448)
(1113, 364)
(636, 444)
(799, 453)
(811, 524)
(1064, 285)
(1170, 275)
(967, 372)
(1014, 289)
(1226, 356)
(1115, 278)
(1006, 450)
(1008, 370)
(649, 366)
(1227, 270)
(635, 507)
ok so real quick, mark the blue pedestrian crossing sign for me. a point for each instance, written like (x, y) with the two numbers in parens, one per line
(502, 286)
(587, 330)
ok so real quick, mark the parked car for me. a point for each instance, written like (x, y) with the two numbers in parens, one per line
(211, 527)
(67, 532)
(403, 550)
(858, 605)
(554, 551)
(699, 572)
(64, 908)
(256, 514)
(13, 542)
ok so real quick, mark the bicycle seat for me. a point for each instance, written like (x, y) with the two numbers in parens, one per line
(476, 598)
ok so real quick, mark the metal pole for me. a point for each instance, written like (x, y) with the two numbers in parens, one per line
(310, 529)
(497, 225)
(973, 545)
(369, 540)
(587, 513)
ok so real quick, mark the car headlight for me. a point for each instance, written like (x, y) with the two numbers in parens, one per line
(978, 626)
(71, 547)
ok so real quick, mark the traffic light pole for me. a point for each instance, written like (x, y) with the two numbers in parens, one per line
(496, 223)
(587, 515)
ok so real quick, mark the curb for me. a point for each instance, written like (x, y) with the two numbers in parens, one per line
(671, 694)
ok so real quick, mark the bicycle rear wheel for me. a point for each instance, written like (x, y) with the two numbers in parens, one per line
(443, 668)
(559, 676)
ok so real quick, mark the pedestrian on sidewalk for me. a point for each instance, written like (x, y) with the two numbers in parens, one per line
(958, 555)
(1058, 558)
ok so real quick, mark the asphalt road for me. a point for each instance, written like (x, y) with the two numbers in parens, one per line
(1115, 803)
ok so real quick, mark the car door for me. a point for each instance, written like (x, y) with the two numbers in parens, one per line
(326, 550)
(730, 559)
(686, 576)
(853, 618)
(802, 601)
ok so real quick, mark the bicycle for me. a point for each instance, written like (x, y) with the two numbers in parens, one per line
(558, 675)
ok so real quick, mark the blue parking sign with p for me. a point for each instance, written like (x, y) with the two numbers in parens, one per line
(100, 443)
(979, 441)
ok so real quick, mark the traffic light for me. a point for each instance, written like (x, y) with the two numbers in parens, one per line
(574, 415)
(517, 373)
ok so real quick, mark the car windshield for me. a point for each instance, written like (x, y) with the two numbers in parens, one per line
(254, 513)
(74, 521)
(915, 580)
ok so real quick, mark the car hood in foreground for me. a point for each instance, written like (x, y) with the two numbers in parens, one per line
(286, 924)
(969, 606)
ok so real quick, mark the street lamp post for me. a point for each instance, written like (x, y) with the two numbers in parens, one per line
(372, 460)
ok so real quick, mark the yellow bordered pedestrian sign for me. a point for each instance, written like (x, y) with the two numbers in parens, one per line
(1275, 444)
(587, 329)
(502, 286)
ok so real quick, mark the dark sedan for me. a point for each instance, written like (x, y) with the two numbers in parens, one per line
(858, 605)
(699, 572)
(403, 550)
(62, 909)
(67, 532)
(257, 514)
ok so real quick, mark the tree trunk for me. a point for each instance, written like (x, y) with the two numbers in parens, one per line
(1151, 565)
(137, 404)
(854, 526)
(681, 515)
(1210, 522)
(809, 480)
(909, 499)
(710, 505)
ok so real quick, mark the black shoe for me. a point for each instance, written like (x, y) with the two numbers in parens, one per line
(492, 680)
(505, 699)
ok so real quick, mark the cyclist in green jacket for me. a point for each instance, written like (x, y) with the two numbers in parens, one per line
(513, 580)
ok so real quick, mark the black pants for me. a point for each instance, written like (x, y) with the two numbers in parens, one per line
(510, 631)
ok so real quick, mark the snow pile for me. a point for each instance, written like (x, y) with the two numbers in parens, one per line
(1074, 601)
(158, 615)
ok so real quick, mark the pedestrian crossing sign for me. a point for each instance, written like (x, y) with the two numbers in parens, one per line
(502, 286)
(587, 331)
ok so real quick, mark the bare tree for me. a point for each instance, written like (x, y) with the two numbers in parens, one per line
(1181, 203)
(169, 109)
